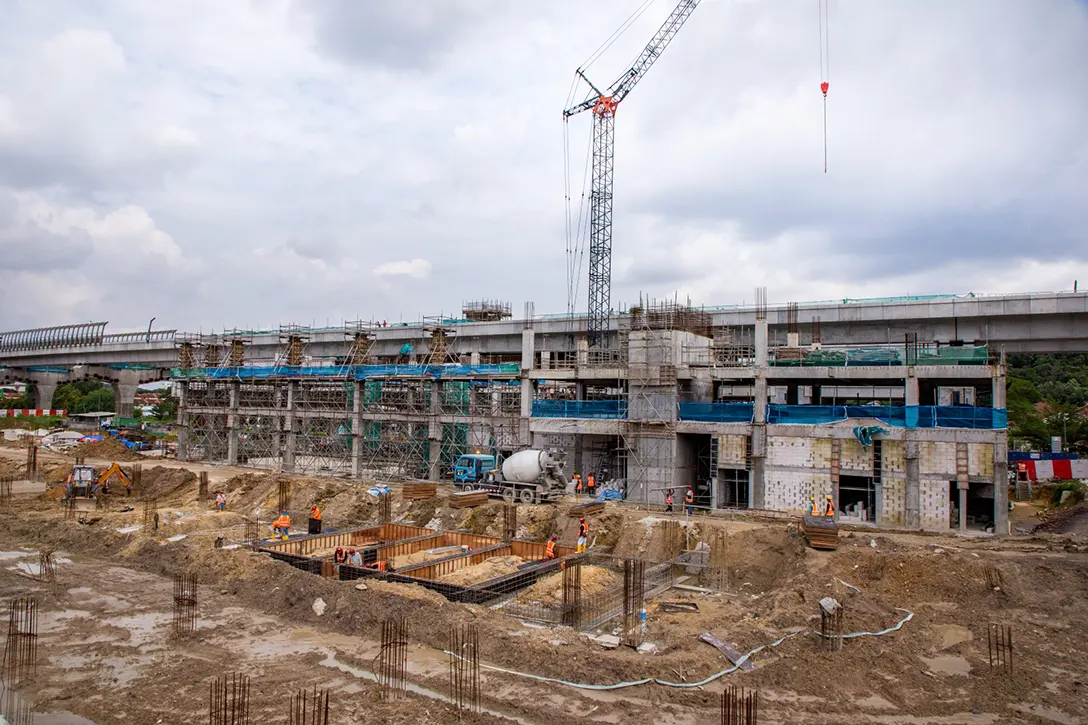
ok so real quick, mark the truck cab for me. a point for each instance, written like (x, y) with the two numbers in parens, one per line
(473, 467)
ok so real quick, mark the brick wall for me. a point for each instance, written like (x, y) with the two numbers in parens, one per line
(731, 450)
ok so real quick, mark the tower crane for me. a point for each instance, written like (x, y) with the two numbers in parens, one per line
(604, 104)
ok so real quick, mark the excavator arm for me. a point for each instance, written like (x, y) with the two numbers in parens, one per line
(115, 469)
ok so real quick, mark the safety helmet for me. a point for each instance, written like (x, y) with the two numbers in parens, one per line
(828, 497)
(351, 551)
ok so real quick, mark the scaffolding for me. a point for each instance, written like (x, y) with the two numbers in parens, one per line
(486, 310)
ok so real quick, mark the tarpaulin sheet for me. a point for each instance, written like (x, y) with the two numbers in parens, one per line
(609, 409)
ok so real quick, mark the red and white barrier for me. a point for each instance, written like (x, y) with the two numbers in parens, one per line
(29, 413)
(1062, 470)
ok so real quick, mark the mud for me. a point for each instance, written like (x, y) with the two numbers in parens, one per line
(108, 655)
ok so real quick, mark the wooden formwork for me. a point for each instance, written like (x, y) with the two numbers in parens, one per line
(355, 538)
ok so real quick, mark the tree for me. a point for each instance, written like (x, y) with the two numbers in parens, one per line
(99, 401)
(166, 409)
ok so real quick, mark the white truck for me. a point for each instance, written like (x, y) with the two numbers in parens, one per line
(529, 476)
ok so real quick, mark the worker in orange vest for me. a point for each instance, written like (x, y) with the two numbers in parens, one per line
(583, 535)
(689, 499)
(668, 501)
(813, 508)
(281, 527)
(340, 557)
(577, 485)
(315, 520)
(829, 508)
(549, 552)
(591, 486)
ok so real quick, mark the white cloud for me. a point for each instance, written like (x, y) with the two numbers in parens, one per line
(251, 161)
(415, 268)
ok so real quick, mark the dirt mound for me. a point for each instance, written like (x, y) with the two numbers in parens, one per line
(57, 473)
(7, 468)
(107, 448)
(162, 483)
(490, 569)
(549, 590)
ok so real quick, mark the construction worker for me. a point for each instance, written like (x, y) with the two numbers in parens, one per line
(591, 486)
(549, 552)
(220, 500)
(583, 535)
(668, 501)
(689, 500)
(380, 565)
(281, 527)
(829, 507)
(355, 558)
(315, 520)
(577, 485)
(814, 509)
(340, 557)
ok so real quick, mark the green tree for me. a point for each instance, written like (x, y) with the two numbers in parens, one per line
(99, 401)
(166, 410)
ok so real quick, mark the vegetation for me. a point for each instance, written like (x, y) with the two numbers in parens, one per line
(84, 396)
(1047, 396)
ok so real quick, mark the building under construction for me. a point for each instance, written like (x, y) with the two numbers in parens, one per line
(763, 416)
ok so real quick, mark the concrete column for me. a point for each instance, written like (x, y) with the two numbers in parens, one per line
(289, 427)
(357, 441)
(434, 434)
(45, 385)
(474, 358)
(913, 503)
(998, 387)
(233, 424)
(1001, 484)
(528, 349)
(183, 420)
(761, 340)
(962, 482)
(124, 392)
(910, 398)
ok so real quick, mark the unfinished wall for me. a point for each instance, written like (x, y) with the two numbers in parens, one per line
(893, 483)
(731, 450)
(796, 469)
(934, 507)
(855, 458)
(936, 467)
(980, 460)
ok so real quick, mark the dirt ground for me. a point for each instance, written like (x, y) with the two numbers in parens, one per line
(107, 651)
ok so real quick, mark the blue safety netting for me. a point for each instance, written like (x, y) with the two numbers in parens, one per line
(610, 409)
(899, 416)
(355, 372)
(717, 412)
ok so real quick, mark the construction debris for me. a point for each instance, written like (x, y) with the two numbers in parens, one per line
(586, 509)
(677, 606)
(467, 499)
(821, 531)
(418, 491)
(734, 656)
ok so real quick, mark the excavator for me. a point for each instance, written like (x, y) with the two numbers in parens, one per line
(85, 482)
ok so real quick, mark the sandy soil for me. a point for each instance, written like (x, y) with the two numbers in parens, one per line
(107, 651)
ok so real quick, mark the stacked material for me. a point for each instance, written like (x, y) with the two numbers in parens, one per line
(415, 491)
(467, 499)
(821, 531)
(587, 508)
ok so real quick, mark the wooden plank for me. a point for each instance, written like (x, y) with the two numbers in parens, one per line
(467, 499)
(726, 650)
(586, 509)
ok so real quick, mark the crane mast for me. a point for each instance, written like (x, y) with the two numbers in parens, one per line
(604, 104)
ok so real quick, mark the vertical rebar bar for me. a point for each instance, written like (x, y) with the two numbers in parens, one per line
(15, 710)
(228, 700)
(185, 603)
(831, 628)
(393, 658)
(5, 489)
(633, 582)
(310, 707)
(202, 487)
(47, 567)
(509, 522)
(150, 509)
(999, 645)
(21, 647)
(253, 532)
(739, 707)
(572, 595)
(385, 511)
(284, 495)
(464, 667)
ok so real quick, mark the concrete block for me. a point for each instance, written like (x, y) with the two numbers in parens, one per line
(893, 457)
(937, 459)
(980, 459)
(893, 501)
(731, 449)
(934, 504)
(855, 457)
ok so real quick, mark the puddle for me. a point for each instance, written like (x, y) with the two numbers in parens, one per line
(62, 717)
(333, 663)
(140, 627)
(1045, 713)
(948, 665)
(875, 702)
(953, 634)
(9, 555)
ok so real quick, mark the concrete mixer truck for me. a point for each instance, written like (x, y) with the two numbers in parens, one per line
(529, 476)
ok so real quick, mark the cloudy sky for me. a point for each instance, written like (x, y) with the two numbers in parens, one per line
(257, 162)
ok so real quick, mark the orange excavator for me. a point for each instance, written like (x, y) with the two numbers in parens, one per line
(86, 482)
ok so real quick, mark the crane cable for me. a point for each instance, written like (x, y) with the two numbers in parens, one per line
(825, 67)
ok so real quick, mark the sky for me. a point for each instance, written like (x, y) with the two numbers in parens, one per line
(253, 163)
